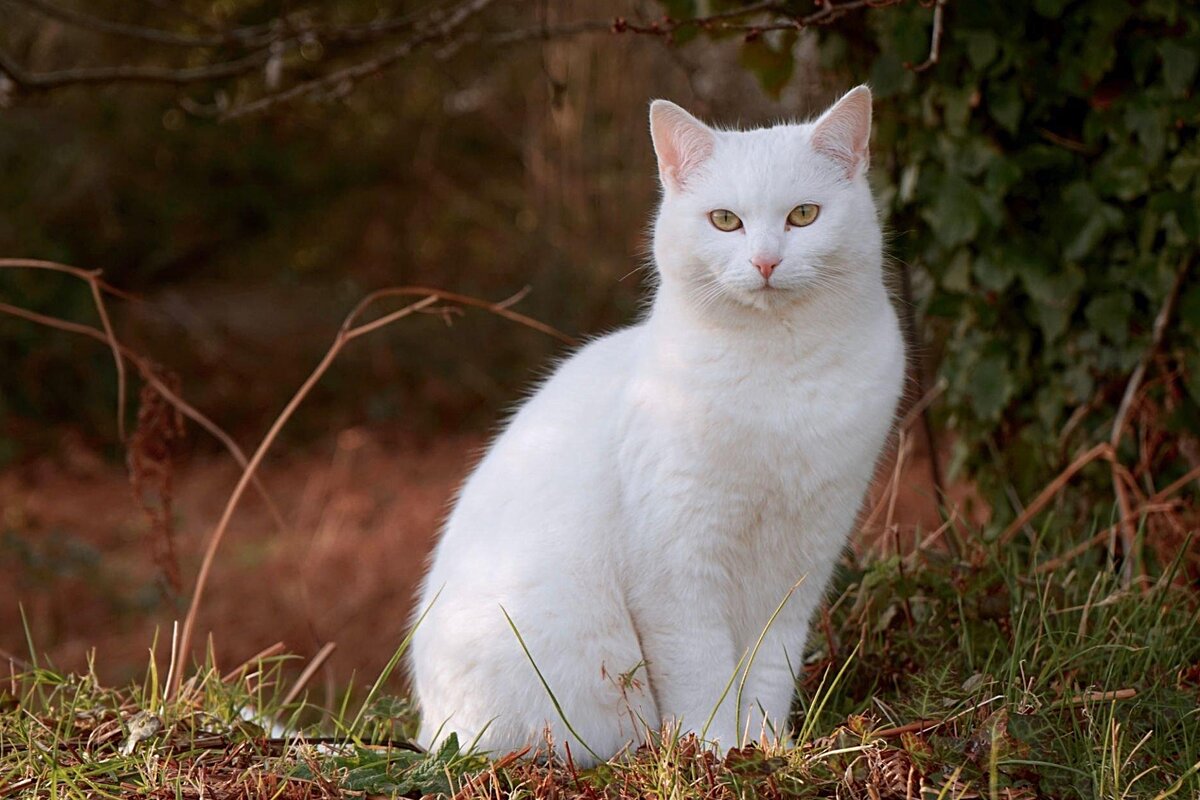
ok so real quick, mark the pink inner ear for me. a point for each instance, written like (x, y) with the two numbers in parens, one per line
(843, 132)
(681, 142)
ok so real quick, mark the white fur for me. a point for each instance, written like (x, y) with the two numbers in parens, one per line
(648, 508)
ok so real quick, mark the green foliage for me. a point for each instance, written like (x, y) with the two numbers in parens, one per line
(1042, 183)
(398, 772)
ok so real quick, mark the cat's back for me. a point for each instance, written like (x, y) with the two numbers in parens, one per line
(555, 455)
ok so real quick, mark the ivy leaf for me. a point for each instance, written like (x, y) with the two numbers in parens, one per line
(955, 214)
(1179, 66)
(956, 108)
(1055, 292)
(990, 386)
(1005, 104)
(981, 48)
(993, 274)
(1122, 173)
(1181, 207)
(1090, 235)
(1184, 168)
(1149, 124)
(1109, 313)
(957, 276)
(1001, 175)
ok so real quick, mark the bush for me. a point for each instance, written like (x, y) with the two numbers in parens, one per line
(1041, 180)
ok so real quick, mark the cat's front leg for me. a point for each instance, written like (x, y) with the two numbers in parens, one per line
(766, 696)
(691, 661)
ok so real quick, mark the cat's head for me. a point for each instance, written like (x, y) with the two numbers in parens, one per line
(766, 218)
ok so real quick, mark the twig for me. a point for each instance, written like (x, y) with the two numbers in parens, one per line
(1127, 530)
(923, 725)
(218, 533)
(911, 727)
(428, 26)
(916, 412)
(145, 34)
(935, 39)
(903, 450)
(918, 366)
(500, 309)
(1103, 536)
(14, 660)
(1098, 697)
(40, 81)
(828, 12)
(349, 331)
(348, 76)
(1176, 485)
(146, 370)
(1103, 450)
(317, 662)
(261, 655)
(97, 288)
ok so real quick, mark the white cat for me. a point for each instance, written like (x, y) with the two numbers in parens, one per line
(645, 512)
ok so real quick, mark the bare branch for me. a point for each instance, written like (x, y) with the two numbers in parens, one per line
(123, 353)
(30, 81)
(263, 43)
(935, 39)
(728, 21)
(145, 34)
(343, 80)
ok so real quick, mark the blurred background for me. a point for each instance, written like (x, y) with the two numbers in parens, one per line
(1036, 164)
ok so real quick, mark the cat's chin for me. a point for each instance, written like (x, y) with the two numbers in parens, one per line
(766, 297)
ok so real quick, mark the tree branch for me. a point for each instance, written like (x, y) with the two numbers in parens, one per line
(30, 81)
(935, 39)
(262, 44)
(343, 80)
(145, 34)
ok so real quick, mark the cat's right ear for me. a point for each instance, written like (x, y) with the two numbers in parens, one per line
(681, 142)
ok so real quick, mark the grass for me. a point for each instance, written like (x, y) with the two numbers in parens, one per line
(928, 676)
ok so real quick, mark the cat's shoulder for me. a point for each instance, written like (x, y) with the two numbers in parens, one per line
(614, 350)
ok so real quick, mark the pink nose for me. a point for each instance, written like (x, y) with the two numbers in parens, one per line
(765, 265)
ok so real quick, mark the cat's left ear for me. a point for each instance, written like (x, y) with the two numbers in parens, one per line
(843, 133)
(681, 142)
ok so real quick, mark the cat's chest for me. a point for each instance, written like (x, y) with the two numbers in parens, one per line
(741, 446)
(743, 414)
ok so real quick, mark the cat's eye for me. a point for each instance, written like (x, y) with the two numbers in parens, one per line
(724, 220)
(804, 214)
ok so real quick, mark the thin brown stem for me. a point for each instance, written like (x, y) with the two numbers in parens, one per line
(1103, 450)
(1127, 529)
(344, 79)
(350, 329)
(146, 370)
(935, 39)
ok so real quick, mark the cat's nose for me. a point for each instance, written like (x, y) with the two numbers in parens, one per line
(765, 264)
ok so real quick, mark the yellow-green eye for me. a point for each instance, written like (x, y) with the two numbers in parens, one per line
(725, 220)
(804, 214)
